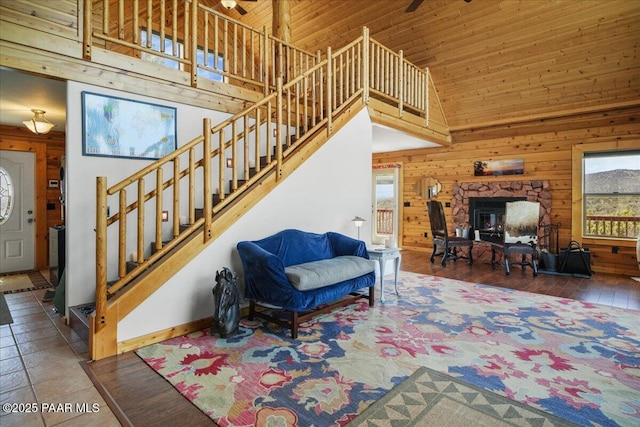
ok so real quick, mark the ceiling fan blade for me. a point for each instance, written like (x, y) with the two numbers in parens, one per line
(414, 5)
(240, 9)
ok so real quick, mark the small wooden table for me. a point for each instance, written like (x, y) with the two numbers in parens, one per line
(382, 255)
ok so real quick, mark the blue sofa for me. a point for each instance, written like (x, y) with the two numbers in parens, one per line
(305, 274)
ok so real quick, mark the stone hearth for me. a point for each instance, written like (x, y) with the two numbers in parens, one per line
(534, 191)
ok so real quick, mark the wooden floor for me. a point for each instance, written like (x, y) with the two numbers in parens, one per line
(140, 397)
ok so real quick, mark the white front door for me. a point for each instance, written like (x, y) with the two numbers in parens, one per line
(17, 211)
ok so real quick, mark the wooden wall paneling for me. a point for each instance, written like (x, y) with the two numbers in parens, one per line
(546, 150)
(56, 17)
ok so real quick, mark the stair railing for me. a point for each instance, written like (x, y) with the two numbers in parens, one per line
(233, 155)
(243, 143)
(187, 35)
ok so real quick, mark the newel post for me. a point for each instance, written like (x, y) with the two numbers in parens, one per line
(194, 44)
(86, 30)
(365, 65)
(206, 175)
(101, 252)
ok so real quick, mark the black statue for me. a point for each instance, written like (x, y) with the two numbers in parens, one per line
(226, 302)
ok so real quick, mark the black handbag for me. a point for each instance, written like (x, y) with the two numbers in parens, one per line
(575, 259)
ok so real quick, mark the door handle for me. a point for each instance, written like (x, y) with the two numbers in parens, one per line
(31, 220)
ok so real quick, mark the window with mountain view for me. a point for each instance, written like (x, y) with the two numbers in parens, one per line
(612, 194)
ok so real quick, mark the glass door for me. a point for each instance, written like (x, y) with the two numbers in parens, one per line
(385, 206)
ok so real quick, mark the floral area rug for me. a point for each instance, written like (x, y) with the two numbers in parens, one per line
(575, 360)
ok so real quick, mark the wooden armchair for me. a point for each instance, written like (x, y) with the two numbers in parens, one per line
(442, 239)
(520, 235)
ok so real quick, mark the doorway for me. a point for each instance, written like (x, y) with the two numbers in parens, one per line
(17, 211)
(386, 211)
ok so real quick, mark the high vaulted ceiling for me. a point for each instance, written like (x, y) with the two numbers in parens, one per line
(493, 61)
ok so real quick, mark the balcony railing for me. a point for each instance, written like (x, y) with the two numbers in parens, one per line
(384, 222)
(612, 226)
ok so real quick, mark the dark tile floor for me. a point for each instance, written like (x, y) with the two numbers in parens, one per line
(40, 373)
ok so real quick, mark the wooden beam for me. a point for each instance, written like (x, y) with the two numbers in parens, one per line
(281, 21)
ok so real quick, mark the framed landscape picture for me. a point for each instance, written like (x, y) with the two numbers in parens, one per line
(498, 167)
(118, 127)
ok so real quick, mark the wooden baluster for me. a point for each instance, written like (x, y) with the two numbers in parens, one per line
(365, 65)
(105, 17)
(187, 32)
(122, 234)
(400, 83)
(234, 157)
(205, 40)
(206, 177)
(87, 31)
(279, 129)
(140, 231)
(221, 164)
(257, 141)
(159, 195)
(174, 27)
(162, 26)
(121, 19)
(149, 28)
(176, 197)
(192, 185)
(216, 35)
(245, 145)
(329, 89)
(235, 49)
(135, 30)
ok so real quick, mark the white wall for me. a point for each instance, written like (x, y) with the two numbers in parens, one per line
(81, 173)
(324, 194)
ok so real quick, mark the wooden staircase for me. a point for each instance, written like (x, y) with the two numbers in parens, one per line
(278, 133)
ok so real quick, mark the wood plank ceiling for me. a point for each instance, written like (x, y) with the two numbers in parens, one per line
(493, 61)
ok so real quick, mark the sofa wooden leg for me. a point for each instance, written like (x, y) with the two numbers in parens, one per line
(252, 309)
(372, 295)
(294, 325)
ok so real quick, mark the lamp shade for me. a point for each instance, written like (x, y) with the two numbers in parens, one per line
(38, 124)
(229, 4)
(357, 221)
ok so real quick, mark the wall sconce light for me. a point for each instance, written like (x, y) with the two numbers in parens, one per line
(357, 221)
(165, 216)
(229, 4)
(229, 163)
(38, 124)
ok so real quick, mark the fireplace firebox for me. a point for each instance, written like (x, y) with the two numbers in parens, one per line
(486, 215)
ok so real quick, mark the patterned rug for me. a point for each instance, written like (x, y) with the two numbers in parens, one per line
(575, 360)
(429, 398)
(24, 281)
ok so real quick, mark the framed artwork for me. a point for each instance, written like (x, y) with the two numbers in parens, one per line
(498, 167)
(118, 127)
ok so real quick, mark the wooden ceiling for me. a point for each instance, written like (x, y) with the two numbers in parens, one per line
(493, 61)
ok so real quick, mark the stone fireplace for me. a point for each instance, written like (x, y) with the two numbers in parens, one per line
(480, 205)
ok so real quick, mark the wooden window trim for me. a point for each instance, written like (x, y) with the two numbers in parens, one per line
(577, 205)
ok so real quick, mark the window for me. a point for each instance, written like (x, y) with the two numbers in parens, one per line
(611, 194)
(176, 65)
(6, 195)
